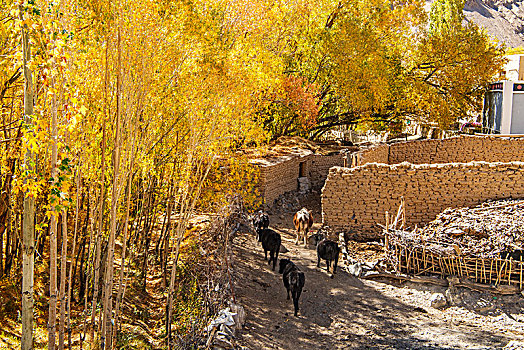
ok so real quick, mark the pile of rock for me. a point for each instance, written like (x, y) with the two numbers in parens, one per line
(222, 329)
(485, 231)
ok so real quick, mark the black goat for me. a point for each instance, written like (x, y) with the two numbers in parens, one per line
(329, 251)
(294, 280)
(270, 242)
(314, 239)
(260, 220)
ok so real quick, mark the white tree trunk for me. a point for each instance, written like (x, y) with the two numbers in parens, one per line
(98, 247)
(53, 249)
(101, 203)
(63, 279)
(108, 300)
(28, 226)
(70, 282)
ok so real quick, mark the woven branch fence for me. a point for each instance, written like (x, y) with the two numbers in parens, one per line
(408, 253)
(419, 261)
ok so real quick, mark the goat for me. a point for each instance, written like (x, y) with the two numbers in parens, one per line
(303, 221)
(329, 251)
(271, 241)
(294, 280)
(260, 220)
(315, 238)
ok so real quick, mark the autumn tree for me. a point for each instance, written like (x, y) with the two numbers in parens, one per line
(379, 62)
(452, 65)
(140, 112)
(289, 109)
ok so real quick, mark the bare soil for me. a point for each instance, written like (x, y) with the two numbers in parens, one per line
(349, 313)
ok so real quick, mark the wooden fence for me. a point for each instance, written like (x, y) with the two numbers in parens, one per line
(419, 261)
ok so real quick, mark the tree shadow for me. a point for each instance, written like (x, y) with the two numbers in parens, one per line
(338, 313)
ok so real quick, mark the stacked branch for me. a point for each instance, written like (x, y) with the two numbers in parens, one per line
(482, 244)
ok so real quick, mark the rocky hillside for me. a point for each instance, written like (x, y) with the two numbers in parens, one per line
(503, 19)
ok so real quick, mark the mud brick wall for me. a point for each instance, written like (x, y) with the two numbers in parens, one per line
(369, 191)
(459, 149)
(279, 176)
(375, 154)
(319, 166)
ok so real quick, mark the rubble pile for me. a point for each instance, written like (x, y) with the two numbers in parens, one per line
(485, 231)
(222, 329)
(481, 244)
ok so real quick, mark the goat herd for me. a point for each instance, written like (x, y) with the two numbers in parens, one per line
(293, 278)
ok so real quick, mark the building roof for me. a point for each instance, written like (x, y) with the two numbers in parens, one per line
(286, 148)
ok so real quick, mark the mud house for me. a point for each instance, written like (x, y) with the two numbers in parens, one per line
(296, 170)
(431, 175)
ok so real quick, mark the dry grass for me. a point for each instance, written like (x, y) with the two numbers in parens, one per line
(143, 312)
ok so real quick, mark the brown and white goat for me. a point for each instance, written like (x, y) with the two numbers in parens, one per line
(303, 221)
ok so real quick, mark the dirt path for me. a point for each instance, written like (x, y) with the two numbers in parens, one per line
(341, 313)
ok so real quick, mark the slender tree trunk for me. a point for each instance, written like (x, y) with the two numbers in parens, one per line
(28, 226)
(101, 206)
(120, 294)
(108, 300)
(164, 245)
(70, 284)
(82, 274)
(8, 248)
(98, 247)
(146, 237)
(63, 279)
(144, 215)
(2, 230)
(171, 291)
(53, 249)
(78, 269)
(89, 268)
(140, 212)
(160, 241)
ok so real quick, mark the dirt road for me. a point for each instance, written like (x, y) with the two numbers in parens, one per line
(344, 312)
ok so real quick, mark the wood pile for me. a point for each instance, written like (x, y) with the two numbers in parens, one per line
(483, 244)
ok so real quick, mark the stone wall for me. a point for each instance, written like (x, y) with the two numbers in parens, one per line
(280, 175)
(459, 149)
(374, 154)
(319, 166)
(369, 191)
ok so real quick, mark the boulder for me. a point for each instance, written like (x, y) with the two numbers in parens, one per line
(438, 300)
(514, 345)
(354, 269)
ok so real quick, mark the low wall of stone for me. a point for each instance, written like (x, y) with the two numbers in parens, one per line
(319, 166)
(458, 149)
(280, 175)
(373, 154)
(370, 190)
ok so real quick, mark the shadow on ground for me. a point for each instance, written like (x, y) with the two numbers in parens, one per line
(339, 313)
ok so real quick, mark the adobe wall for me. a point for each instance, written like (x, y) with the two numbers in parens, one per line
(279, 176)
(369, 191)
(319, 166)
(374, 154)
(458, 149)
